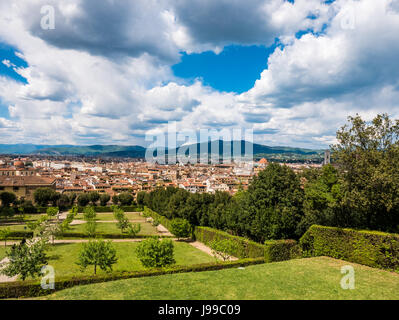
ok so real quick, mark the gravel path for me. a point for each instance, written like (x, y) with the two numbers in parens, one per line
(206, 249)
(4, 278)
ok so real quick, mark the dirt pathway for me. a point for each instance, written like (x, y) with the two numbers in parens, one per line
(206, 249)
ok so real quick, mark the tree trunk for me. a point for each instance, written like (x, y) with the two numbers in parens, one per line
(95, 268)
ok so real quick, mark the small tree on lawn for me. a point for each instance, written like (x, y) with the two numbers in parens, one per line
(181, 228)
(25, 259)
(97, 253)
(38, 226)
(89, 213)
(133, 229)
(4, 234)
(223, 248)
(123, 223)
(118, 213)
(154, 253)
(90, 228)
(52, 211)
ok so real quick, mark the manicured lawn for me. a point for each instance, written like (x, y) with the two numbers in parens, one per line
(133, 216)
(110, 227)
(315, 278)
(64, 256)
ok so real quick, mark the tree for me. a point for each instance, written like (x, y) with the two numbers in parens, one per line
(52, 211)
(133, 229)
(140, 198)
(223, 248)
(125, 199)
(93, 197)
(274, 204)
(181, 228)
(367, 154)
(90, 228)
(104, 198)
(43, 196)
(25, 259)
(4, 234)
(115, 199)
(97, 253)
(89, 213)
(64, 201)
(7, 198)
(7, 212)
(123, 223)
(154, 253)
(83, 200)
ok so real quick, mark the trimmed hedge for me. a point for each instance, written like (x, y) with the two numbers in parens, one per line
(32, 288)
(245, 248)
(106, 235)
(370, 248)
(103, 209)
(281, 250)
(156, 216)
(19, 235)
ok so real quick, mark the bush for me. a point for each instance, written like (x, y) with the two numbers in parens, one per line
(245, 248)
(181, 228)
(154, 253)
(280, 250)
(89, 213)
(52, 211)
(125, 199)
(157, 217)
(371, 248)
(221, 248)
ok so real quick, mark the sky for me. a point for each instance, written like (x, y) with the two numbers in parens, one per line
(112, 73)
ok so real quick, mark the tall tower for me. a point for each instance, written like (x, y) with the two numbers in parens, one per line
(327, 157)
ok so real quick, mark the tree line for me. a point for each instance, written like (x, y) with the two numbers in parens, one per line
(360, 190)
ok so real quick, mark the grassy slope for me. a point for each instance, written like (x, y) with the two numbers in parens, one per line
(315, 278)
(64, 256)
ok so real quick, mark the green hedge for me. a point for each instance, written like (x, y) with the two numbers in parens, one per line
(371, 248)
(281, 250)
(104, 209)
(156, 216)
(32, 288)
(245, 248)
(19, 235)
(105, 235)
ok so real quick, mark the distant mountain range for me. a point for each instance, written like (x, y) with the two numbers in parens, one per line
(116, 151)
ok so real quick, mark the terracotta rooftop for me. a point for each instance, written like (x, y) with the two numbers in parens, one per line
(20, 181)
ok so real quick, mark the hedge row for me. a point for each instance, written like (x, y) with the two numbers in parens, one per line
(105, 235)
(19, 235)
(371, 248)
(273, 250)
(25, 289)
(156, 216)
(109, 209)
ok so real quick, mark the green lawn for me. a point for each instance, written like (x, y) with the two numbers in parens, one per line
(64, 256)
(133, 216)
(315, 278)
(110, 227)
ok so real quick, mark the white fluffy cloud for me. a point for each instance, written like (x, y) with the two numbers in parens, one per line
(104, 74)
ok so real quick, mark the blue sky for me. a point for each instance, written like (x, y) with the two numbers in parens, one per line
(112, 73)
(235, 69)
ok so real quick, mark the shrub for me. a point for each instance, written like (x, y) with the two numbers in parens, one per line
(280, 250)
(104, 198)
(245, 248)
(125, 199)
(97, 253)
(83, 199)
(181, 228)
(221, 248)
(154, 253)
(371, 248)
(89, 213)
(52, 211)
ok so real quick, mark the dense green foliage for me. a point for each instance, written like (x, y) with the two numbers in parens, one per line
(371, 248)
(181, 228)
(154, 253)
(97, 253)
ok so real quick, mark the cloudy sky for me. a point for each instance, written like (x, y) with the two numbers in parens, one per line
(113, 70)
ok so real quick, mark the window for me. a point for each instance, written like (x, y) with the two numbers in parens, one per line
(15, 188)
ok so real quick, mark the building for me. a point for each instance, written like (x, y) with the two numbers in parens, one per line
(24, 186)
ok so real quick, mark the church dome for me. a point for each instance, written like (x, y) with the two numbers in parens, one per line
(19, 164)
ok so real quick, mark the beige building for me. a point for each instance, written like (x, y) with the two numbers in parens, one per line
(24, 186)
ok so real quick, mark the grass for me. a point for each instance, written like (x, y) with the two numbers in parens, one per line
(132, 216)
(313, 278)
(64, 256)
(110, 227)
